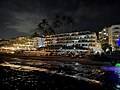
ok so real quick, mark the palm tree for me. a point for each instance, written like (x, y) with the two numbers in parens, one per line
(35, 34)
(45, 28)
(51, 30)
(62, 21)
(44, 23)
(42, 27)
(56, 22)
(67, 21)
(70, 20)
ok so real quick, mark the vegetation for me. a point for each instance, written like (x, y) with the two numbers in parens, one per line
(46, 27)
(106, 46)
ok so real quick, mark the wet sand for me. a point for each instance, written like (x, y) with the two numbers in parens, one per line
(58, 58)
(34, 80)
(15, 79)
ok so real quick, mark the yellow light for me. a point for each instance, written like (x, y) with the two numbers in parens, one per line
(12, 52)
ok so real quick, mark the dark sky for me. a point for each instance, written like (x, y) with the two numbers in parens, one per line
(20, 17)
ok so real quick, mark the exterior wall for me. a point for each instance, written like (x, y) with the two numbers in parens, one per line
(3, 42)
(76, 41)
(114, 34)
(103, 36)
(110, 36)
(22, 43)
(26, 43)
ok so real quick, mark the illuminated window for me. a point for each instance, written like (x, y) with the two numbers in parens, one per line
(104, 29)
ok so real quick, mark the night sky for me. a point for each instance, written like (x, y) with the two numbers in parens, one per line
(20, 17)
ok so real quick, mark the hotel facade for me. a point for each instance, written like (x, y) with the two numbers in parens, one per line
(21, 43)
(110, 35)
(77, 42)
(114, 35)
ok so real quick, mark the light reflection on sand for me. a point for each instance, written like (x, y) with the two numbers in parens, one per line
(70, 69)
(23, 67)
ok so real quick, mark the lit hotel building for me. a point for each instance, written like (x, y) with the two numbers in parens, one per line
(110, 35)
(103, 36)
(114, 35)
(76, 41)
(23, 43)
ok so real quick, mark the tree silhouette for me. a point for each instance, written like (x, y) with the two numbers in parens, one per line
(51, 30)
(47, 28)
(35, 34)
(42, 26)
(105, 46)
(68, 19)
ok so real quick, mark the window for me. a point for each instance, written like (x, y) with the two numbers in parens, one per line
(116, 28)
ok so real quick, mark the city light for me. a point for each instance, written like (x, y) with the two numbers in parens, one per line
(111, 68)
(118, 41)
(59, 45)
(117, 65)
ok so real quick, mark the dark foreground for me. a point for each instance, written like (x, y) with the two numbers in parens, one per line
(57, 76)
(35, 80)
